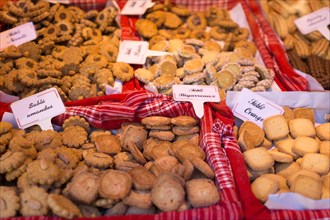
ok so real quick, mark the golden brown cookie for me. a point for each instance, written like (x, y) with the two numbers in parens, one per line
(62, 206)
(9, 202)
(202, 192)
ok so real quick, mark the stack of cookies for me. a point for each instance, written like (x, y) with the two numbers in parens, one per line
(289, 154)
(144, 168)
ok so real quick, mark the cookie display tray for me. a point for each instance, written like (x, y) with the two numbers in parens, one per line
(252, 207)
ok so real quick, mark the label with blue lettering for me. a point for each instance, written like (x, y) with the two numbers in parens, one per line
(251, 106)
(17, 36)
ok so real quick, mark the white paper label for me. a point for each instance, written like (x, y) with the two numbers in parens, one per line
(197, 95)
(38, 109)
(252, 107)
(66, 2)
(316, 21)
(17, 36)
(136, 7)
(136, 52)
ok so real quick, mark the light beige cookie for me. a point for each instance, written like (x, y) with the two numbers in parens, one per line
(307, 187)
(258, 159)
(280, 179)
(323, 131)
(307, 113)
(286, 169)
(325, 148)
(202, 192)
(288, 113)
(303, 145)
(9, 202)
(302, 127)
(254, 130)
(318, 163)
(285, 146)
(281, 157)
(62, 206)
(276, 127)
(252, 175)
(303, 172)
(262, 187)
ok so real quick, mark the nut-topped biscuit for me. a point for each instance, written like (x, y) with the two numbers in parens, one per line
(276, 127)
(9, 202)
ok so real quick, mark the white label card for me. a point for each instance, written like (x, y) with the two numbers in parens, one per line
(136, 7)
(38, 109)
(136, 52)
(197, 95)
(66, 2)
(252, 107)
(315, 21)
(17, 36)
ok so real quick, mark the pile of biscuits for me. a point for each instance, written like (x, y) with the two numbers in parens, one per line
(166, 21)
(144, 168)
(308, 53)
(290, 154)
(194, 62)
(75, 51)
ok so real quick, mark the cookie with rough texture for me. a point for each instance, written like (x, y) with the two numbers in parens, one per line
(34, 202)
(146, 28)
(262, 187)
(258, 159)
(162, 135)
(202, 192)
(98, 160)
(276, 127)
(76, 121)
(184, 130)
(62, 206)
(188, 151)
(9, 201)
(10, 161)
(42, 172)
(139, 199)
(301, 127)
(5, 127)
(74, 136)
(156, 120)
(142, 178)
(323, 131)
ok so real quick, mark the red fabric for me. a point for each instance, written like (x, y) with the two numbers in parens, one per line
(271, 49)
(88, 5)
(253, 209)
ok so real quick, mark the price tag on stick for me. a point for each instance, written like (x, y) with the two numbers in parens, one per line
(197, 95)
(251, 106)
(315, 21)
(38, 109)
(17, 36)
(136, 52)
(136, 7)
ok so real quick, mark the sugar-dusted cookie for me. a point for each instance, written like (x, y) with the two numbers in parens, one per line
(307, 186)
(276, 127)
(202, 192)
(9, 202)
(62, 206)
(258, 159)
(323, 131)
(318, 163)
(302, 127)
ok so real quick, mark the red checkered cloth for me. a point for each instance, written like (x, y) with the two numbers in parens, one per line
(109, 114)
(88, 5)
(253, 209)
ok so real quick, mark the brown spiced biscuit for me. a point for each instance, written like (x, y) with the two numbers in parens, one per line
(184, 121)
(162, 135)
(163, 127)
(168, 193)
(139, 199)
(88, 211)
(163, 164)
(136, 153)
(98, 160)
(62, 206)
(146, 28)
(286, 169)
(115, 184)
(133, 134)
(303, 145)
(108, 144)
(42, 172)
(34, 202)
(307, 187)
(188, 169)
(202, 192)
(9, 202)
(156, 120)
(142, 178)
(258, 159)
(5, 127)
(318, 163)
(202, 166)
(193, 138)
(301, 127)
(119, 208)
(74, 136)
(307, 113)
(172, 20)
(10, 161)
(188, 151)
(263, 186)
(276, 127)
(160, 150)
(84, 188)
(325, 148)
(184, 130)
(323, 131)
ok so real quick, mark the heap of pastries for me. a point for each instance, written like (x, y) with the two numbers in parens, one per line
(290, 154)
(308, 53)
(75, 51)
(156, 165)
